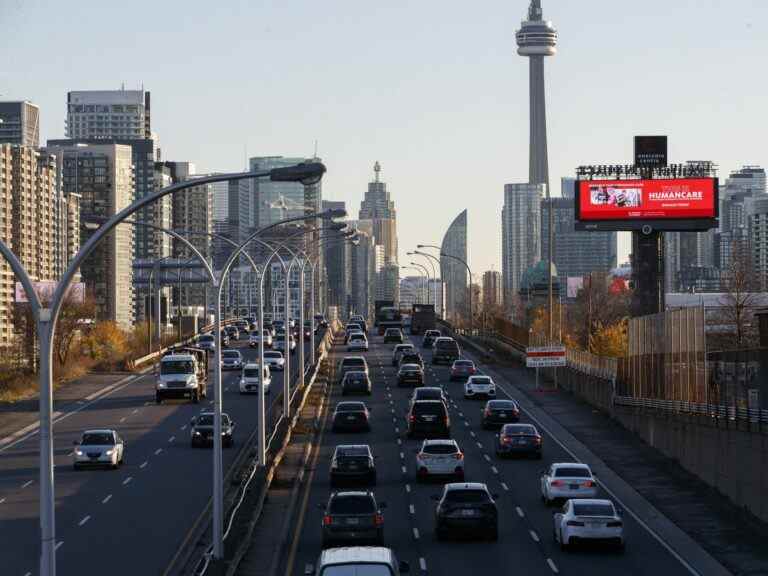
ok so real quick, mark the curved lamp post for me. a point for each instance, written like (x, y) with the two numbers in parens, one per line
(434, 274)
(426, 271)
(469, 271)
(442, 278)
(418, 293)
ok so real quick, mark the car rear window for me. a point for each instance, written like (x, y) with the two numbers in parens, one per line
(361, 504)
(447, 345)
(572, 472)
(273, 355)
(429, 408)
(593, 509)
(350, 407)
(481, 380)
(353, 363)
(519, 430)
(425, 394)
(502, 405)
(231, 354)
(352, 451)
(357, 569)
(206, 338)
(463, 363)
(410, 368)
(439, 449)
(355, 376)
(466, 496)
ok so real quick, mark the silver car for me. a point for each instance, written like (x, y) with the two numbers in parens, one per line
(231, 360)
(99, 448)
(358, 561)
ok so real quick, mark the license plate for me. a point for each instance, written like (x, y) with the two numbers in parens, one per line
(469, 512)
(573, 486)
(428, 418)
(502, 414)
(352, 418)
(353, 466)
(353, 521)
(523, 442)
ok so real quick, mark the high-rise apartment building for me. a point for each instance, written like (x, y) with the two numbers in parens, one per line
(521, 235)
(337, 267)
(7, 277)
(758, 236)
(362, 256)
(102, 175)
(109, 114)
(737, 195)
(20, 124)
(453, 269)
(380, 210)
(232, 217)
(492, 290)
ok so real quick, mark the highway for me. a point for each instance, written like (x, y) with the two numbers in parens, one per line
(131, 520)
(525, 543)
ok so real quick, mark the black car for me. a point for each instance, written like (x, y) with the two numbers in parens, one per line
(499, 412)
(445, 350)
(429, 418)
(356, 383)
(393, 335)
(233, 332)
(411, 358)
(351, 417)
(410, 375)
(351, 364)
(522, 439)
(353, 463)
(321, 321)
(350, 518)
(201, 430)
(429, 393)
(468, 509)
(429, 338)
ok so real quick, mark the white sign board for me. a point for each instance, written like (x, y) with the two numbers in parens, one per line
(545, 357)
(46, 288)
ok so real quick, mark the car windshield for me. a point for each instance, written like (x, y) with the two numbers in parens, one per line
(231, 354)
(593, 509)
(206, 338)
(356, 337)
(272, 355)
(466, 496)
(350, 407)
(439, 449)
(572, 472)
(352, 504)
(98, 439)
(251, 372)
(176, 367)
(519, 430)
(353, 363)
(410, 368)
(207, 420)
(354, 569)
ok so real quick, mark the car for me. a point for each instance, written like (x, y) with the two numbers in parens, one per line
(522, 439)
(357, 342)
(358, 319)
(224, 338)
(588, 521)
(351, 517)
(429, 393)
(249, 379)
(429, 418)
(398, 351)
(393, 335)
(445, 349)
(206, 342)
(351, 417)
(278, 326)
(412, 358)
(496, 413)
(348, 363)
(466, 508)
(243, 326)
(479, 386)
(359, 560)
(567, 480)
(201, 430)
(439, 458)
(410, 375)
(307, 331)
(97, 448)
(274, 359)
(269, 326)
(353, 463)
(255, 338)
(279, 343)
(355, 382)
(352, 328)
(233, 332)
(231, 360)
(462, 369)
(429, 338)
(321, 321)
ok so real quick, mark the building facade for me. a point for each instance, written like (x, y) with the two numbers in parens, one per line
(758, 235)
(492, 290)
(337, 267)
(521, 235)
(737, 196)
(453, 271)
(20, 124)
(109, 114)
(378, 207)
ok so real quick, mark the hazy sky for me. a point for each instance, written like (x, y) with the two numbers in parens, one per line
(433, 89)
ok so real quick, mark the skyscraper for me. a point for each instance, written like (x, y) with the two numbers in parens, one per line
(520, 235)
(492, 289)
(274, 201)
(453, 271)
(337, 266)
(758, 234)
(536, 39)
(737, 196)
(380, 210)
(20, 124)
(109, 114)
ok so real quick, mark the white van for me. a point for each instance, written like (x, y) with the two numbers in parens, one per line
(249, 379)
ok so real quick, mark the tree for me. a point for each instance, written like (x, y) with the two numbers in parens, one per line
(73, 317)
(740, 298)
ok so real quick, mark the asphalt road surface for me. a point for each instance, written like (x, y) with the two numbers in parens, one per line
(525, 544)
(131, 520)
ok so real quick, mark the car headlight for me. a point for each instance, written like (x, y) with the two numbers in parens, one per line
(79, 452)
(109, 452)
(161, 384)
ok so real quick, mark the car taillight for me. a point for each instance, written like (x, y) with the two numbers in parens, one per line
(614, 524)
(537, 439)
(446, 420)
(487, 412)
(557, 483)
(326, 520)
(412, 418)
(419, 456)
(379, 520)
(574, 523)
(507, 440)
(459, 456)
(588, 484)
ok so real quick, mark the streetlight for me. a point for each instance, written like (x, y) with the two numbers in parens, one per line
(426, 271)
(442, 278)
(434, 273)
(443, 254)
(418, 294)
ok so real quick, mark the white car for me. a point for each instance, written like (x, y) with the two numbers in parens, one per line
(256, 336)
(594, 521)
(207, 342)
(440, 458)
(398, 352)
(357, 343)
(274, 360)
(566, 480)
(480, 385)
(99, 448)
(249, 379)
(231, 360)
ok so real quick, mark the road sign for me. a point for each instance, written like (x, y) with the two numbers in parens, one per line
(545, 356)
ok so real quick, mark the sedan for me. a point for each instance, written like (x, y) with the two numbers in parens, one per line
(499, 412)
(593, 521)
(202, 428)
(357, 343)
(279, 343)
(351, 517)
(410, 375)
(99, 448)
(274, 359)
(466, 508)
(566, 480)
(439, 458)
(356, 382)
(398, 351)
(255, 338)
(231, 360)
(207, 342)
(462, 369)
(479, 386)
(521, 439)
(393, 335)
(351, 417)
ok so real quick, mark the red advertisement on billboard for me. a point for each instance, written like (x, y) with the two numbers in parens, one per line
(667, 199)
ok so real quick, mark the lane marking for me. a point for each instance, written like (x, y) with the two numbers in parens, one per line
(423, 564)
(122, 419)
(136, 411)
(27, 483)
(479, 445)
(2, 500)
(416, 533)
(83, 521)
(466, 424)
(397, 430)
(494, 469)
(184, 427)
(144, 464)
(107, 499)
(172, 438)
(402, 456)
(552, 566)
(399, 442)
(58, 545)
(534, 535)
(158, 451)
(412, 509)
(519, 511)
(127, 480)
(405, 471)
(408, 488)
(487, 458)
(503, 485)
(472, 434)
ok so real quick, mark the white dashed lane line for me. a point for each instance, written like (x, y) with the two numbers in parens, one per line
(27, 483)
(127, 480)
(136, 411)
(534, 535)
(143, 464)
(405, 471)
(552, 566)
(411, 509)
(472, 434)
(423, 564)
(59, 544)
(84, 521)
(402, 456)
(487, 458)
(158, 451)
(183, 427)
(494, 470)
(416, 533)
(519, 511)
(503, 485)
(2, 500)
(408, 488)
(172, 438)
(107, 499)
(479, 445)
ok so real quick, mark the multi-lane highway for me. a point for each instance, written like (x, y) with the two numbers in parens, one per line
(131, 520)
(525, 544)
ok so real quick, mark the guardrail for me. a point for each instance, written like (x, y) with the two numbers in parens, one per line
(718, 412)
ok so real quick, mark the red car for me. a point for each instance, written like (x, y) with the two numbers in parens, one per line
(462, 369)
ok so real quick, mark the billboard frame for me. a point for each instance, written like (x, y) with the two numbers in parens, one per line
(648, 226)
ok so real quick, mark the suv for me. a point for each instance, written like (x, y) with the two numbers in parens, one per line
(393, 335)
(399, 350)
(353, 462)
(466, 507)
(351, 417)
(429, 393)
(430, 418)
(249, 379)
(352, 517)
(233, 332)
(445, 349)
(439, 458)
(356, 382)
(429, 338)
(352, 363)
(201, 430)
(373, 560)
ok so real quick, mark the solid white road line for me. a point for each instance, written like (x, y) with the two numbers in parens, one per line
(552, 566)
(83, 521)
(144, 464)
(534, 535)
(519, 511)
(423, 564)
(127, 480)
(416, 533)
(107, 499)
(27, 483)
(158, 451)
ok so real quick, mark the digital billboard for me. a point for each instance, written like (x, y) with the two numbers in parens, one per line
(658, 204)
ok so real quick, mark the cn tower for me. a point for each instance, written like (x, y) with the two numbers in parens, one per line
(536, 39)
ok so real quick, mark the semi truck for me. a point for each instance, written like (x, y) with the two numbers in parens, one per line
(182, 373)
(422, 318)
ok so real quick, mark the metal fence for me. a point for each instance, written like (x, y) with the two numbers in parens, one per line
(738, 379)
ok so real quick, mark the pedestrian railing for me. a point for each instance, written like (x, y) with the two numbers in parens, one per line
(712, 411)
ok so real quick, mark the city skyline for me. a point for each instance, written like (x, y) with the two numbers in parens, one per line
(489, 105)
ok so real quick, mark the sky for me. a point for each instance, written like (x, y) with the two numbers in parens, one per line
(432, 89)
